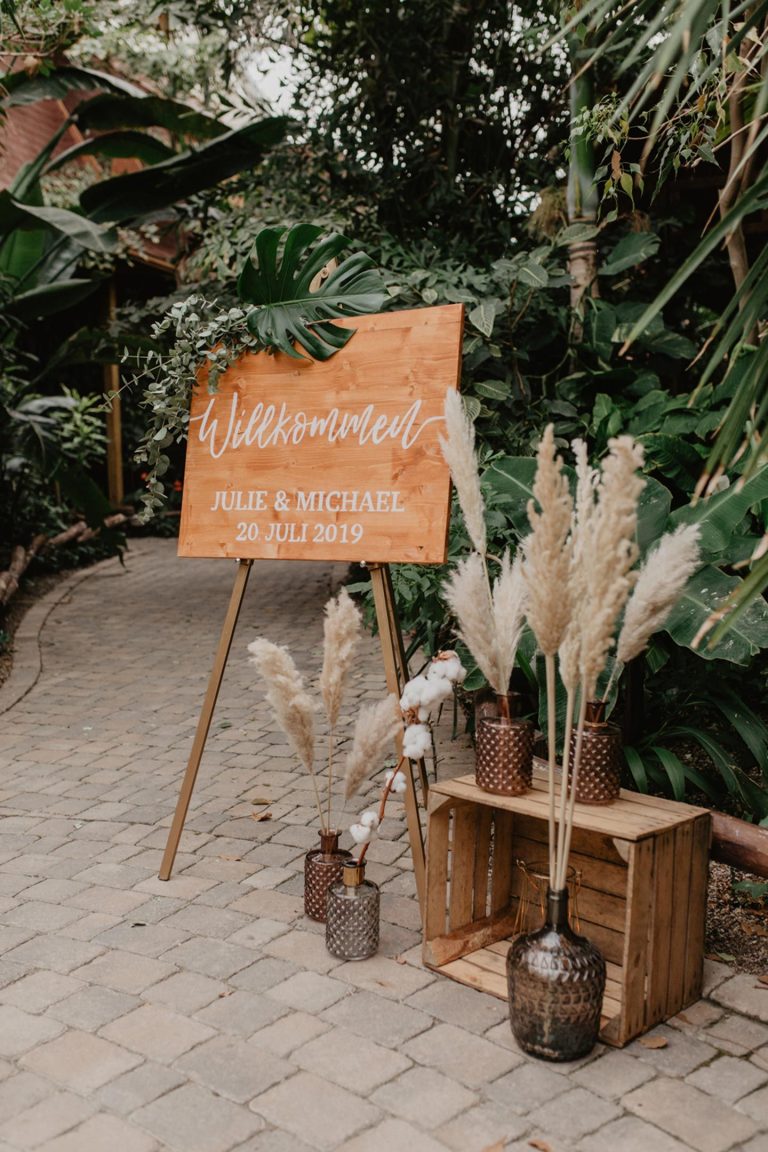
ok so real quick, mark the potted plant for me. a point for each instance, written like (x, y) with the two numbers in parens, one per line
(578, 570)
(490, 616)
(295, 709)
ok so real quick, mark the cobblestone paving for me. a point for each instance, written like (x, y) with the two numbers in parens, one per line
(204, 1014)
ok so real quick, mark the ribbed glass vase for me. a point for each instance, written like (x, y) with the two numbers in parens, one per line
(504, 750)
(322, 867)
(352, 920)
(599, 780)
(556, 981)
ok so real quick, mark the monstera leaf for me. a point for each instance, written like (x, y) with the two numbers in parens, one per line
(279, 282)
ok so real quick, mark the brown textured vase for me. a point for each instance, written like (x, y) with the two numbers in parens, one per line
(599, 779)
(322, 867)
(352, 922)
(504, 752)
(556, 982)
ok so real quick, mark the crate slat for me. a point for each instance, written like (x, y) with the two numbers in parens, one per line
(641, 899)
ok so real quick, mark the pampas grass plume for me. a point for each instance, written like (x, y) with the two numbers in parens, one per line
(659, 584)
(459, 454)
(547, 549)
(466, 593)
(509, 592)
(341, 630)
(376, 727)
(293, 707)
(607, 555)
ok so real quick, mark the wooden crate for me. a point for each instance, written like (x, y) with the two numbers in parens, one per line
(642, 896)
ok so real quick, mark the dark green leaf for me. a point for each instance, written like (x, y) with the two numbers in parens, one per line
(704, 593)
(289, 313)
(631, 250)
(153, 189)
(140, 145)
(720, 515)
(110, 111)
(51, 298)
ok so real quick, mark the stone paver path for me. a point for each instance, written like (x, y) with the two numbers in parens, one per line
(204, 1014)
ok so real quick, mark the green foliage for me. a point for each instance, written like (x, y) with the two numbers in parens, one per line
(197, 334)
(278, 280)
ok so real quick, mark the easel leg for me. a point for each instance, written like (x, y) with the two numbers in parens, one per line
(206, 715)
(396, 673)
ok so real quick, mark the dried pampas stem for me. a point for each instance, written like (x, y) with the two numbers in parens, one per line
(548, 550)
(459, 454)
(292, 705)
(508, 603)
(467, 595)
(546, 571)
(376, 727)
(661, 580)
(341, 631)
(609, 557)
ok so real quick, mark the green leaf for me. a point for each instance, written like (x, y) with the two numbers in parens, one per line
(52, 298)
(652, 513)
(576, 234)
(483, 317)
(140, 193)
(720, 515)
(493, 389)
(704, 593)
(288, 311)
(116, 110)
(636, 766)
(115, 144)
(674, 769)
(750, 727)
(22, 88)
(77, 228)
(511, 478)
(631, 250)
(532, 274)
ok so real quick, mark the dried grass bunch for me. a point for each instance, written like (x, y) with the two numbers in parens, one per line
(295, 709)
(579, 572)
(490, 614)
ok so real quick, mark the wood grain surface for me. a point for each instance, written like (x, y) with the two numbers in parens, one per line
(340, 460)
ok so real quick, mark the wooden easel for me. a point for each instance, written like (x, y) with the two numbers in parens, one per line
(396, 673)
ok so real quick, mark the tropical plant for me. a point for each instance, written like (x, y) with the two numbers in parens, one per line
(694, 94)
(284, 298)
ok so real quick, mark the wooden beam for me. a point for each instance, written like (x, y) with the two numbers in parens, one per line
(115, 481)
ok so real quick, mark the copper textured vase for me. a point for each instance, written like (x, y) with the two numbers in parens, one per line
(599, 780)
(556, 981)
(352, 922)
(504, 752)
(322, 867)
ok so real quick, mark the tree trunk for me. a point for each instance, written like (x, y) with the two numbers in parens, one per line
(582, 192)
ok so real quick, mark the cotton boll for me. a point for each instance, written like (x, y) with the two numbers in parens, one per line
(361, 833)
(416, 741)
(447, 666)
(440, 688)
(369, 820)
(413, 693)
(423, 714)
(399, 782)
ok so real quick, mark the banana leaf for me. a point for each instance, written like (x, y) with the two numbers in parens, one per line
(138, 145)
(116, 110)
(706, 592)
(140, 193)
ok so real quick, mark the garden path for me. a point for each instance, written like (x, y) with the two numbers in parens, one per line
(204, 1014)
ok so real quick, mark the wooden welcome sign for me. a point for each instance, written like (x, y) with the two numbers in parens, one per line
(333, 460)
(325, 460)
